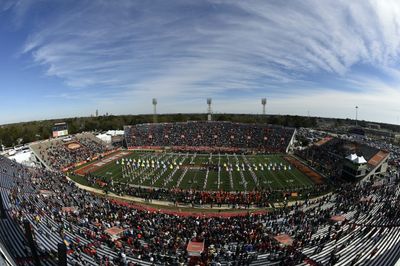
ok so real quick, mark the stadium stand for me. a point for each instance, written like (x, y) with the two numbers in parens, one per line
(11, 235)
(207, 136)
(328, 155)
(62, 153)
(356, 225)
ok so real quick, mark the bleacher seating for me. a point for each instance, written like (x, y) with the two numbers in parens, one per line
(58, 154)
(328, 157)
(225, 136)
(368, 232)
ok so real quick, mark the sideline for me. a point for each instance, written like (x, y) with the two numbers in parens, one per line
(178, 208)
(182, 209)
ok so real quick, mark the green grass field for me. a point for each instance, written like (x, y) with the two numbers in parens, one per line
(204, 171)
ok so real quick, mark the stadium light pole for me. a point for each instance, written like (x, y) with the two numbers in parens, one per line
(356, 115)
(209, 102)
(264, 102)
(154, 110)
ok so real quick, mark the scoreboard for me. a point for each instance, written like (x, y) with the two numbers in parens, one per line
(60, 130)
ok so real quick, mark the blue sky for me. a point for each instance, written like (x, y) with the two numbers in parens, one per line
(69, 58)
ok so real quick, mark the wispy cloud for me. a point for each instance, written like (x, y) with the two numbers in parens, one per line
(135, 50)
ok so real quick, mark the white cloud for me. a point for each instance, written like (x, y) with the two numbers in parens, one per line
(131, 51)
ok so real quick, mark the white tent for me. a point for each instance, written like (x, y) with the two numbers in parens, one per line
(356, 159)
(352, 157)
(360, 160)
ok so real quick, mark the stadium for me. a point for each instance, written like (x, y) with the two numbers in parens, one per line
(94, 171)
(201, 193)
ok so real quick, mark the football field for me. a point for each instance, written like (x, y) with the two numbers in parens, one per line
(210, 172)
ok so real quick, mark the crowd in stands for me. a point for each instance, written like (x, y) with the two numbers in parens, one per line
(328, 157)
(193, 197)
(382, 145)
(366, 230)
(204, 135)
(62, 153)
(59, 211)
(314, 136)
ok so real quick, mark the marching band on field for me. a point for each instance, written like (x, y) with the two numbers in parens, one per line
(129, 166)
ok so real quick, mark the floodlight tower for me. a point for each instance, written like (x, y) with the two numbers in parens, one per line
(154, 110)
(209, 101)
(264, 103)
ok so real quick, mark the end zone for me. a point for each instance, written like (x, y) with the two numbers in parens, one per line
(94, 166)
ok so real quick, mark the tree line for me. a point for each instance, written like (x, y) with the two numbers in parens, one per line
(22, 133)
(26, 132)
